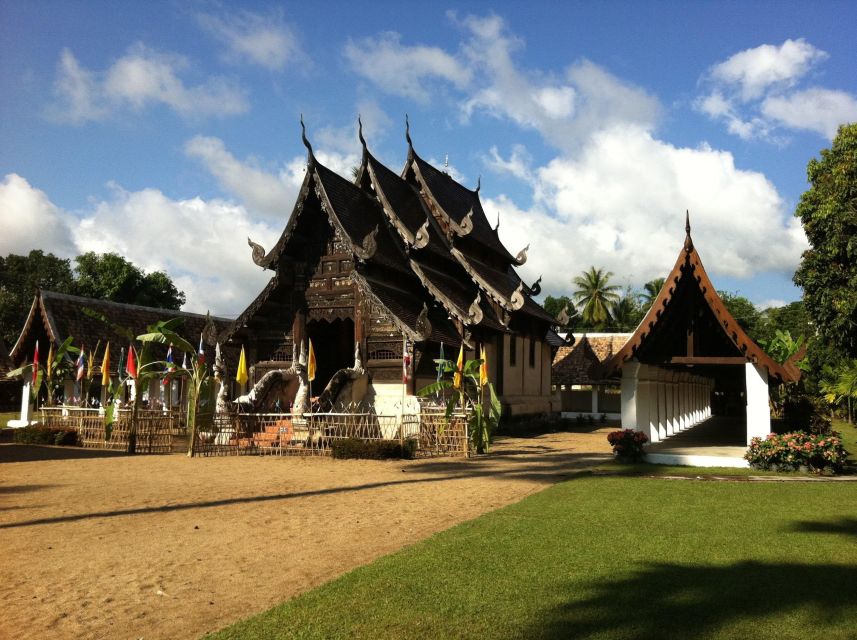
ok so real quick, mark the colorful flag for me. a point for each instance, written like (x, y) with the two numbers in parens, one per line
(406, 362)
(105, 367)
(49, 365)
(36, 362)
(201, 353)
(184, 361)
(90, 364)
(81, 364)
(459, 368)
(241, 374)
(483, 368)
(310, 367)
(171, 366)
(131, 365)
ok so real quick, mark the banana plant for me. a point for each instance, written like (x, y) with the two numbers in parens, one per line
(57, 365)
(470, 390)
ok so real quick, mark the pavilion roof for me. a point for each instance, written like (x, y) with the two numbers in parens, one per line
(689, 325)
(582, 362)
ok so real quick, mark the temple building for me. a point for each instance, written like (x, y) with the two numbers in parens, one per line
(383, 272)
(689, 360)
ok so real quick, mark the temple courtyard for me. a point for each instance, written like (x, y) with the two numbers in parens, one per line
(98, 544)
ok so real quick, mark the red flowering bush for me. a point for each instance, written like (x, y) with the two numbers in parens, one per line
(628, 444)
(791, 451)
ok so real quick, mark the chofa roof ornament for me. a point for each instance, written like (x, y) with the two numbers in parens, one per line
(423, 325)
(369, 245)
(536, 287)
(474, 313)
(421, 239)
(562, 317)
(521, 258)
(517, 299)
(258, 254)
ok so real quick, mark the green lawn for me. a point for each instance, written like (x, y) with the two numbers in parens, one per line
(608, 557)
(849, 436)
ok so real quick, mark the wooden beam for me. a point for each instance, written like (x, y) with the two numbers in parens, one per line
(708, 360)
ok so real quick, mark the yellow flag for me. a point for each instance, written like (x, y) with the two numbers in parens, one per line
(310, 365)
(49, 365)
(105, 367)
(483, 368)
(241, 374)
(90, 364)
(459, 368)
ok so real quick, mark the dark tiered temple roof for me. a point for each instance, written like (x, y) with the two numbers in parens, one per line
(419, 241)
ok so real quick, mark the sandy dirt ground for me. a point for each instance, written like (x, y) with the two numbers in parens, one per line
(99, 545)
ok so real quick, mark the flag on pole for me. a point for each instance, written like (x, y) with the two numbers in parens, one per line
(131, 365)
(171, 366)
(483, 368)
(406, 362)
(49, 365)
(90, 363)
(81, 364)
(105, 367)
(201, 352)
(36, 362)
(241, 374)
(184, 361)
(310, 367)
(459, 368)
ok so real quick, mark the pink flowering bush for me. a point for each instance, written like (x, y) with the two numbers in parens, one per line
(628, 444)
(791, 451)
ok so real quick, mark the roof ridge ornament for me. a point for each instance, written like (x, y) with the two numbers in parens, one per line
(310, 154)
(408, 132)
(521, 258)
(466, 224)
(258, 254)
(360, 133)
(536, 287)
(562, 317)
(474, 313)
(688, 241)
(478, 184)
(497, 226)
(517, 299)
(423, 325)
(421, 239)
(369, 245)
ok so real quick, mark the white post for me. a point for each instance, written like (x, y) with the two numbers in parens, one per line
(26, 404)
(758, 412)
(671, 398)
(647, 402)
(594, 402)
(629, 390)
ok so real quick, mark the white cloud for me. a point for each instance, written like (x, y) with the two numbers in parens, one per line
(819, 110)
(620, 204)
(519, 163)
(139, 79)
(754, 71)
(755, 93)
(30, 220)
(263, 192)
(404, 70)
(266, 40)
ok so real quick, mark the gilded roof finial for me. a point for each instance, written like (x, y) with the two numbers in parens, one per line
(360, 132)
(408, 132)
(305, 141)
(688, 241)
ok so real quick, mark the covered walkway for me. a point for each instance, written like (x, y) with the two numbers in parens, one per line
(717, 442)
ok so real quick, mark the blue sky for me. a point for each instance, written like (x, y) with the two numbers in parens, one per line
(169, 131)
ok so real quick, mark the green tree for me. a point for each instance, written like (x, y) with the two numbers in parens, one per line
(20, 276)
(627, 312)
(828, 269)
(109, 276)
(744, 312)
(791, 318)
(595, 296)
(650, 292)
(555, 305)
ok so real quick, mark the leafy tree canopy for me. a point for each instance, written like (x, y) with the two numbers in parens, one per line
(744, 312)
(554, 305)
(103, 276)
(828, 269)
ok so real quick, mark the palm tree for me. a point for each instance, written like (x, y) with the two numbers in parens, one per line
(650, 292)
(595, 296)
(626, 312)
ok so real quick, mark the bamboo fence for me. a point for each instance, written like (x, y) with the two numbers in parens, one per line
(154, 428)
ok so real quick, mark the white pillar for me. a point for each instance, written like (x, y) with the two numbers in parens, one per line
(594, 403)
(647, 403)
(682, 401)
(26, 403)
(629, 390)
(758, 411)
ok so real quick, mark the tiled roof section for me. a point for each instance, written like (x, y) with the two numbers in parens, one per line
(689, 266)
(582, 362)
(66, 316)
(403, 198)
(457, 201)
(359, 215)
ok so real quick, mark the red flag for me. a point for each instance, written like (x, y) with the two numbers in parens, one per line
(406, 362)
(131, 366)
(36, 362)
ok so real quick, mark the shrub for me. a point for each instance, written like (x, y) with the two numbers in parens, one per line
(46, 435)
(628, 444)
(791, 451)
(373, 449)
